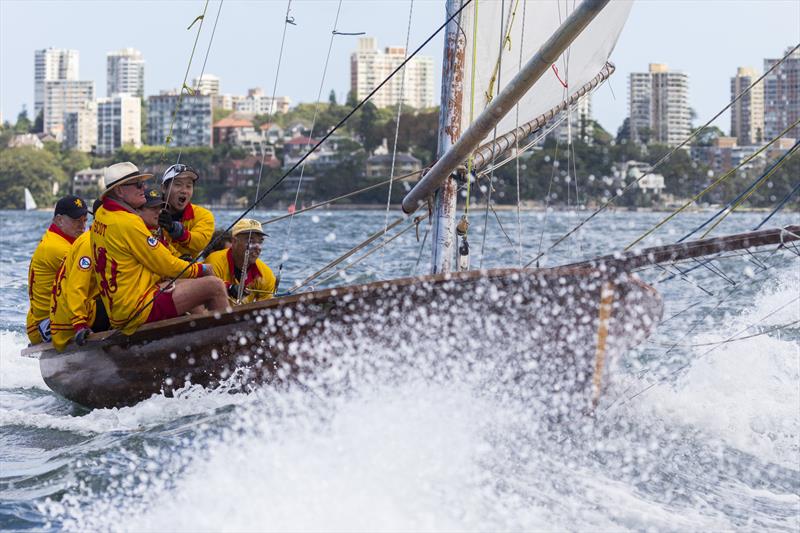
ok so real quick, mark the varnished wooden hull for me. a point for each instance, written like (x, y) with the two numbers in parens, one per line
(551, 331)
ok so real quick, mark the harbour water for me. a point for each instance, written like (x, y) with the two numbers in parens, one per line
(699, 428)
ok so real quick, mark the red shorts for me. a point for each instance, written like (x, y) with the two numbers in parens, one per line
(163, 307)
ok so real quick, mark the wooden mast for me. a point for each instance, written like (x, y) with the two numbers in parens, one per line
(444, 210)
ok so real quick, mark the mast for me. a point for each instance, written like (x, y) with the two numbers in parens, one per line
(444, 210)
(502, 103)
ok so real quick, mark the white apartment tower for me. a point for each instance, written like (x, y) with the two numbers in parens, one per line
(125, 72)
(80, 128)
(747, 113)
(51, 64)
(119, 122)
(370, 66)
(207, 84)
(658, 106)
(782, 97)
(62, 97)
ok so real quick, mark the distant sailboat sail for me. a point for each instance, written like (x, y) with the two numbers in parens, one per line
(30, 203)
(492, 53)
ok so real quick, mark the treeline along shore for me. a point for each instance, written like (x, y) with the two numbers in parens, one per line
(593, 167)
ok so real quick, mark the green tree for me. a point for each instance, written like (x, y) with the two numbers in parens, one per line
(38, 123)
(28, 167)
(23, 124)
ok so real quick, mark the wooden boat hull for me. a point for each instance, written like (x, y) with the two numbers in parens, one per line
(550, 330)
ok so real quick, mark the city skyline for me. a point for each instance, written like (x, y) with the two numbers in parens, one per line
(166, 57)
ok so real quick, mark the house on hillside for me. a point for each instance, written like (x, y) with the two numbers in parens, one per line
(245, 172)
(87, 183)
(26, 139)
(379, 166)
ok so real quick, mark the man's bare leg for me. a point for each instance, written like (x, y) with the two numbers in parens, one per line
(191, 294)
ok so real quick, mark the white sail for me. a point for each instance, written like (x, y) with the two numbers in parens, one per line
(527, 24)
(30, 203)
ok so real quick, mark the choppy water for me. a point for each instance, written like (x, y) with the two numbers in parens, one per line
(691, 435)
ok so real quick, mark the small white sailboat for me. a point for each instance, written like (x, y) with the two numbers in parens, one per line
(30, 203)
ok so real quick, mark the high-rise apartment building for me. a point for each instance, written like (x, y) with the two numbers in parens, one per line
(62, 97)
(80, 128)
(747, 113)
(51, 64)
(782, 96)
(370, 66)
(577, 124)
(260, 104)
(119, 122)
(658, 106)
(193, 123)
(125, 72)
(206, 84)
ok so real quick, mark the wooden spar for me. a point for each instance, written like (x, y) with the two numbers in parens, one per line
(489, 151)
(691, 249)
(503, 102)
(444, 211)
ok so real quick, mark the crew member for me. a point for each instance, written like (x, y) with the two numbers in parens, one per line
(259, 282)
(153, 205)
(69, 221)
(76, 309)
(130, 263)
(189, 227)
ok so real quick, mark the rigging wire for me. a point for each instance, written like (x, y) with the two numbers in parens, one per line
(397, 131)
(709, 188)
(775, 165)
(658, 163)
(779, 206)
(516, 138)
(287, 239)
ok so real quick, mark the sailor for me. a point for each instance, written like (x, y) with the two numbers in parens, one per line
(259, 282)
(69, 221)
(189, 227)
(153, 205)
(76, 309)
(130, 262)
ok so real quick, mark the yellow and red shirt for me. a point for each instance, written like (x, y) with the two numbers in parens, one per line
(259, 279)
(198, 227)
(46, 260)
(129, 262)
(72, 304)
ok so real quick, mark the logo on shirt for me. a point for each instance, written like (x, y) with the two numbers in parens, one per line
(85, 263)
(152, 241)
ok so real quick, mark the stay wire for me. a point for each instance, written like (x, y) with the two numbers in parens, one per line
(779, 206)
(396, 132)
(287, 238)
(658, 163)
(775, 165)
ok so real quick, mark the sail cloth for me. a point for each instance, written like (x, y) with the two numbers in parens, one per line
(495, 30)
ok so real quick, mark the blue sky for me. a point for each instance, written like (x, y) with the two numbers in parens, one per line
(707, 39)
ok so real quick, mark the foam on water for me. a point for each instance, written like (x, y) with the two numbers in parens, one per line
(16, 371)
(747, 392)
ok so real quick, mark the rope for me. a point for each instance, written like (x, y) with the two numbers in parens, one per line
(779, 206)
(310, 138)
(397, 129)
(717, 343)
(201, 18)
(516, 141)
(709, 188)
(410, 175)
(753, 189)
(666, 156)
(728, 205)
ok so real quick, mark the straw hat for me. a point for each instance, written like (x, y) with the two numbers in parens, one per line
(121, 174)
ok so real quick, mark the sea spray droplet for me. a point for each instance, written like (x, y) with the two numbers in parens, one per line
(330, 237)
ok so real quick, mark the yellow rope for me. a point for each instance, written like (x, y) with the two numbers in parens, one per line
(184, 87)
(761, 182)
(709, 188)
(506, 41)
(471, 159)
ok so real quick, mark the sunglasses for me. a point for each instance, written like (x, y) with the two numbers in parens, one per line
(138, 185)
